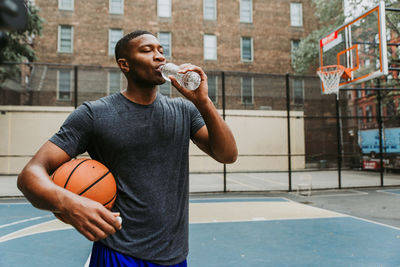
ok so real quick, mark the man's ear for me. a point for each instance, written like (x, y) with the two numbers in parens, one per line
(123, 65)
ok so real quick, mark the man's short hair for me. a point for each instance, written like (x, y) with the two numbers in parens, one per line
(122, 45)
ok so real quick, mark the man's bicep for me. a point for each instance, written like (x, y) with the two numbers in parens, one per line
(50, 156)
(200, 138)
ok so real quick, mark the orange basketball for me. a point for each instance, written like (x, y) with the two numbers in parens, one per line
(88, 178)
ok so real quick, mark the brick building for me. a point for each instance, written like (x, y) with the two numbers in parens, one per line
(253, 36)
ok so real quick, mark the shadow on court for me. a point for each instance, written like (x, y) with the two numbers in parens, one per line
(329, 228)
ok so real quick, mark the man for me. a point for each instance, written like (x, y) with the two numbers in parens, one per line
(143, 138)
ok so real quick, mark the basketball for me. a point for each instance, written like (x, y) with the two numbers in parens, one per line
(88, 178)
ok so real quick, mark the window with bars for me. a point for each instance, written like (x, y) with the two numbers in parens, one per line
(64, 85)
(247, 48)
(294, 46)
(114, 82)
(298, 91)
(164, 8)
(65, 38)
(116, 7)
(114, 35)
(66, 5)
(246, 8)
(212, 88)
(210, 47)
(210, 9)
(247, 90)
(296, 14)
(165, 41)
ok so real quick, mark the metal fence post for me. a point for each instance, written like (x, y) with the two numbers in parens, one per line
(223, 116)
(339, 142)
(75, 86)
(288, 131)
(379, 113)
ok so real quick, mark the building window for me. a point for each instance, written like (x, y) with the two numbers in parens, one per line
(114, 82)
(64, 85)
(66, 5)
(210, 47)
(246, 44)
(368, 113)
(65, 38)
(212, 88)
(247, 90)
(246, 7)
(116, 6)
(114, 35)
(359, 116)
(165, 41)
(390, 109)
(296, 14)
(298, 91)
(165, 89)
(294, 46)
(164, 8)
(210, 9)
(349, 95)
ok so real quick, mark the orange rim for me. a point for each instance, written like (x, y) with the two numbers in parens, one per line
(346, 71)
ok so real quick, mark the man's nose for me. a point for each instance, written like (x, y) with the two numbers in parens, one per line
(159, 56)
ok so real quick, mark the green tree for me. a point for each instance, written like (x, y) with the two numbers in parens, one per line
(19, 46)
(330, 16)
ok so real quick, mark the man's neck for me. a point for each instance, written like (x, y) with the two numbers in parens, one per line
(140, 95)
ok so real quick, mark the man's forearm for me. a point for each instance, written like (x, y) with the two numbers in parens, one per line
(222, 144)
(36, 186)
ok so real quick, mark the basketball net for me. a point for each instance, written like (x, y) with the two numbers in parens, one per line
(330, 77)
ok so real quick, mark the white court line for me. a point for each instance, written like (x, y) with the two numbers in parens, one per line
(243, 184)
(49, 226)
(15, 203)
(356, 193)
(261, 219)
(239, 198)
(386, 192)
(378, 223)
(88, 260)
(263, 180)
(26, 220)
(358, 218)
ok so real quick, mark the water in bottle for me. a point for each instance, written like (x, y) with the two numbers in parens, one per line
(190, 80)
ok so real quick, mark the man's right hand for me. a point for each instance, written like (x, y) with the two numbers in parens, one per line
(89, 217)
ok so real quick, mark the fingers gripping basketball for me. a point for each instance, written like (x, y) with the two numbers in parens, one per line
(88, 178)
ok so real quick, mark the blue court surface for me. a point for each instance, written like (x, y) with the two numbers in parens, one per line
(391, 191)
(223, 232)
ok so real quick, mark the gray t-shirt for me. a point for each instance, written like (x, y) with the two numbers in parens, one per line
(146, 148)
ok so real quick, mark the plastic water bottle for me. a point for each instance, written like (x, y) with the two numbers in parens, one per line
(190, 80)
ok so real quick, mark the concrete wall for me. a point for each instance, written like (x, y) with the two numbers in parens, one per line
(261, 137)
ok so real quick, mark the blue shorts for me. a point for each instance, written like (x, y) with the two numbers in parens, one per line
(103, 256)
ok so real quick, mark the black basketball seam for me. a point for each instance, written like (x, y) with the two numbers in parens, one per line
(66, 182)
(90, 186)
(105, 204)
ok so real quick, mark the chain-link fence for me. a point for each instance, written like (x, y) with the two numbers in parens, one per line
(285, 128)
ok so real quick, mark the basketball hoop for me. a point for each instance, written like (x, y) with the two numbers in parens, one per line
(330, 77)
